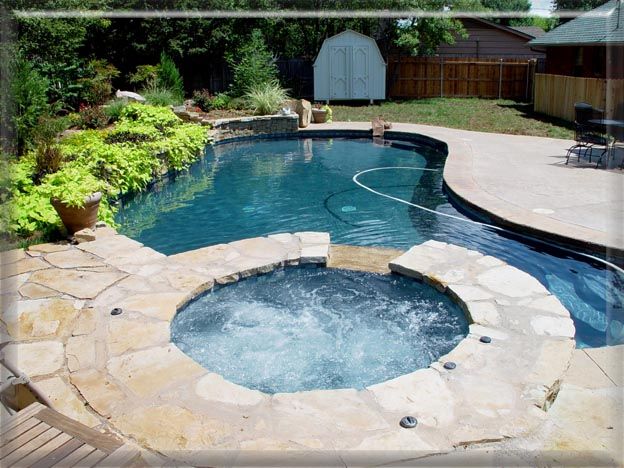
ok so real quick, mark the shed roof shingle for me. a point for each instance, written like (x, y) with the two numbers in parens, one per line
(602, 25)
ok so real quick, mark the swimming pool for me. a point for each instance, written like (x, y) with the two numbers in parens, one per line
(261, 187)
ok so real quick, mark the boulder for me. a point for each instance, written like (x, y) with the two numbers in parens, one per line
(84, 235)
(129, 95)
(304, 109)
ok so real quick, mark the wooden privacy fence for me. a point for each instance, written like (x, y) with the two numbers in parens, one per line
(422, 77)
(555, 95)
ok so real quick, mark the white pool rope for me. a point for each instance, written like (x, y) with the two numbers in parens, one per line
(466, 220)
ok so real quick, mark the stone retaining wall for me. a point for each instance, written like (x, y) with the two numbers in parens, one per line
(246, 126)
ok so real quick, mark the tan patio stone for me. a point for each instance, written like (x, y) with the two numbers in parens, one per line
(125, 334)
(99, 390)
(553, 326)
(36, 358)
(220, 253)
(261, 247)
(66, 402)
(187, 282)
(80, 352)
(170, 427)
(49, 248)
(80, 284)
(25, 265)
(40, 318)
(86, 322)
(343, 409)
(489, 261)
(10, 286)
(314, 253)
(469, 293)
(132, 260)
(114, 246)
(149, 371)
(511, 282)
(36, 291)
(215, 388)
(552, 362)
(550, 304)
(484, 313)
(250, 266)
(73, 258)
(313, 237)
(11, 256)
(423, 393)
(162, 306)
(401, 439)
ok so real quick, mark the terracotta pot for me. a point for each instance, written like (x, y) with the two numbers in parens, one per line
(76, 219)
(320, 115)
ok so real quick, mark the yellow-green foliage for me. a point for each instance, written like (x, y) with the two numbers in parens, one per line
(145, 142)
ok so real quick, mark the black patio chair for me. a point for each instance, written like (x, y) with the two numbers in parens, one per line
(587, 135)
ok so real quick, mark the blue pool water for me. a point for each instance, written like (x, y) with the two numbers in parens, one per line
(263, 187)
(321, 328)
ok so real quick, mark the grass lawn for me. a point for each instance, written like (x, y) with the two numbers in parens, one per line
(484, 115)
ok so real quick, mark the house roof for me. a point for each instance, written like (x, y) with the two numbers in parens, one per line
(602, 25)
(520, 32)
(534, 31)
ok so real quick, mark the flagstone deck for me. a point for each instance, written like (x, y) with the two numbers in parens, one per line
(122, 373)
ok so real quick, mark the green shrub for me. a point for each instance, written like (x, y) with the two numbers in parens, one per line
(113, 109)
(203, 99)
(207, 102)
(266, 98)
(48, 155)
(29, 91)
(92, 117)
(145, 141)
(168, 77)
(98, 87)
(144, 76)
(252, 64)
(157, 96)
(221, 101)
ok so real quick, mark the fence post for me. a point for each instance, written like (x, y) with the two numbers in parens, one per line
(500, 79)
(441, 76)
(526, 90)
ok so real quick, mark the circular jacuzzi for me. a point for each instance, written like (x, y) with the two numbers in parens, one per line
(318, 328)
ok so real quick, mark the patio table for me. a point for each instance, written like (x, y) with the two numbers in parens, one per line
(615, 130)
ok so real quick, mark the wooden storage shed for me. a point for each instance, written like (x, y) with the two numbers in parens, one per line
(349, 66)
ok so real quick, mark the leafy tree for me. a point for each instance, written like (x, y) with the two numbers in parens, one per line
(577, 4)
(252, 63)
(168, 76)
(30, 101)
(54, 45)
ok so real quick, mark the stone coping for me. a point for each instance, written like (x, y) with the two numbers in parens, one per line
(121, 372)
(468, 182)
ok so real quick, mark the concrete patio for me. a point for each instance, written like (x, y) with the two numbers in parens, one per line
(523, 182)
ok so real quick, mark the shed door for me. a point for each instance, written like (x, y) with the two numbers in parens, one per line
(360, 76)
(339, 61)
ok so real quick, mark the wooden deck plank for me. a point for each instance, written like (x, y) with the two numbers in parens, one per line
(30, 446)
(92, 459)
(45, 449)
(19, 418)
(59, 454)
(23, 439)
(123, 456)
(19, 430)
(105, 442)
(75, 457)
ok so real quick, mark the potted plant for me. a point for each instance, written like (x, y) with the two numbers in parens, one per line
(75, 194)
(322, 114)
